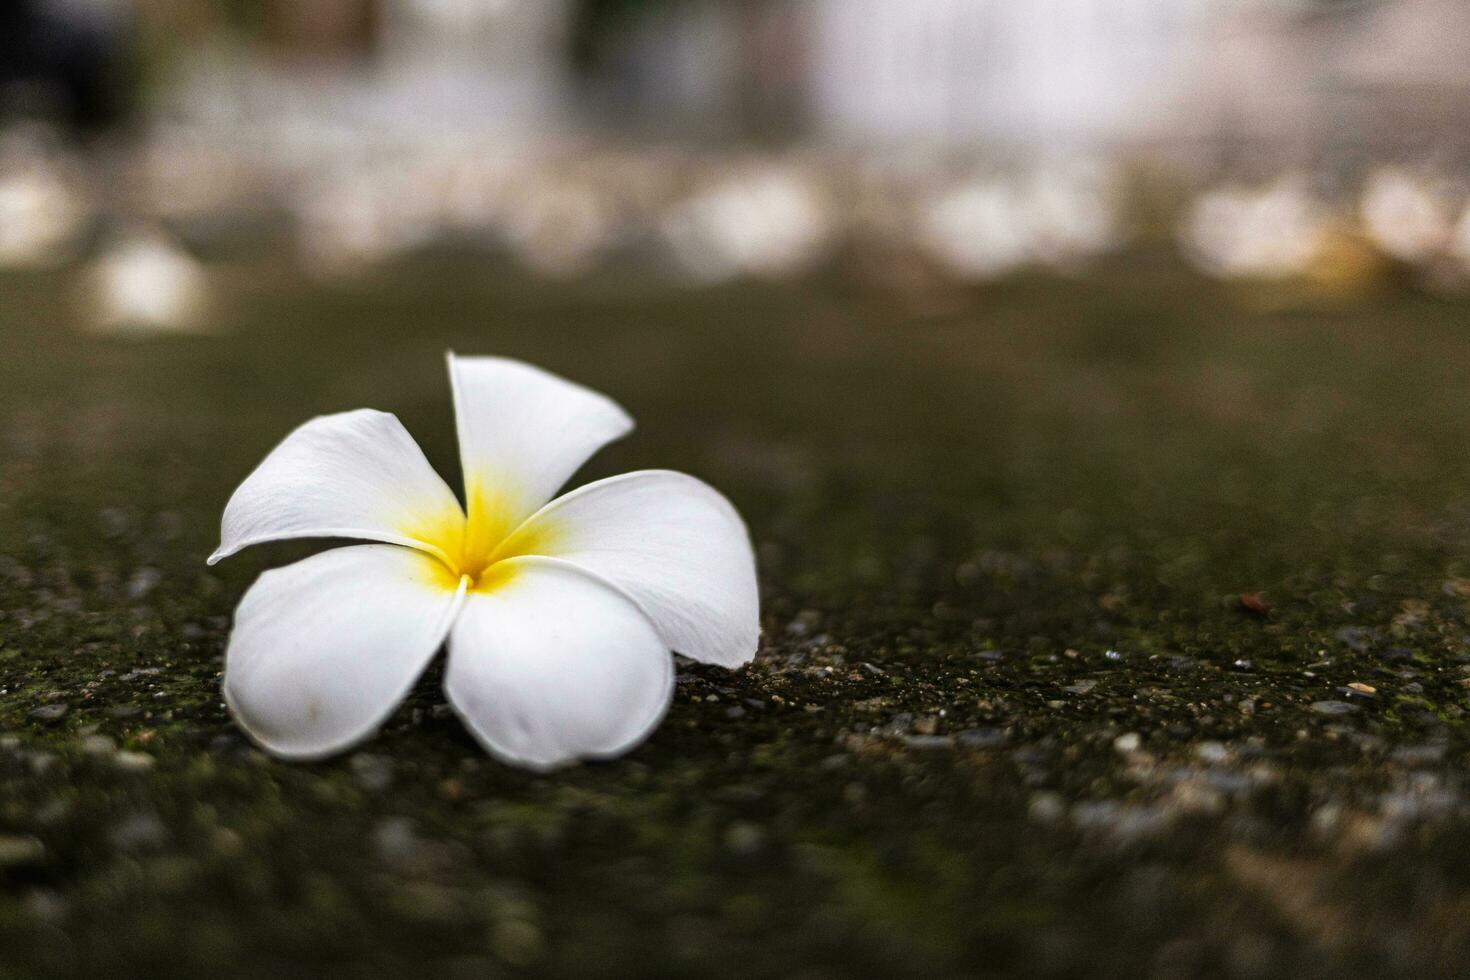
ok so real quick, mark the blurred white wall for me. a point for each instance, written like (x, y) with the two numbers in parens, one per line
(1084, 71)
(493, 64)
(1291, 76)
(1245, 79)
(436, 70)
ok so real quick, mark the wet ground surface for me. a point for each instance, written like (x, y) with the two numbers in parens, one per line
(1109, 629)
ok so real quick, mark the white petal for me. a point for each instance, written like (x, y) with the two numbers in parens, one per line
(352, 475)
(522, 433)
(325, 649)
(552, 665)
(673, 544)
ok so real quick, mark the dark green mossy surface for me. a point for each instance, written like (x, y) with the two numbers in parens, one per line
(1009, 715)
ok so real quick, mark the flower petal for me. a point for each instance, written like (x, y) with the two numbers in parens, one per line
(325, 649)
(352, 475)
(522, 433)
(670, 542)
(552, 665)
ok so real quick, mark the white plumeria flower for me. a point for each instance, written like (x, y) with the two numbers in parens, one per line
(559, 616)
(771, 222)
(145, 284)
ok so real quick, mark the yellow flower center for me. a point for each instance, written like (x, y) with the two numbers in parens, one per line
(479, 546)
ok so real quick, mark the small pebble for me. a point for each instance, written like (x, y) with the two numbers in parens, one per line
(373, 772)
(1127, 743)
(144, 581)
(982, 738)
(50, 713)
(45, 905)
(98, 745)
(926, 742)
(1213, 752)
(1046, 807)
(133, 761)
(1418, 755)
(900, 724)
(744, 837)
(1255, 602)
(396, 839)
(114, 521)
(804, 623)
(139, 832)
(17, 850)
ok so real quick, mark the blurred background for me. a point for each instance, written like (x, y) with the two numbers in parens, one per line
(1092, 376)
(1315, 145)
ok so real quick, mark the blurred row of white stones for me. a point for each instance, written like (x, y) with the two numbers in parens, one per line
(704, 217)
(1283, 230)
(705, 220)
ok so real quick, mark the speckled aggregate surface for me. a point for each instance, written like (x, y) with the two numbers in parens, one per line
(1110, 629)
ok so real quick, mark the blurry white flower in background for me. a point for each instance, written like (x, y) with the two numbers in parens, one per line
(1075, 209)
(642, 184)
(980, 230)
(769, 222)
(1060, 214)
(185, 177)
(144, 284)
(1460, 241)
(473, 188)
(355, 219)
(44, 208)
(880, 194)
(1271, 232)
(1406, 215)
(557, 227)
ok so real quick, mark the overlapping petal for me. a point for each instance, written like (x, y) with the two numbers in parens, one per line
(522, 433)
(552, 665)
(670, 542)
(352, 475)
(324, 650)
